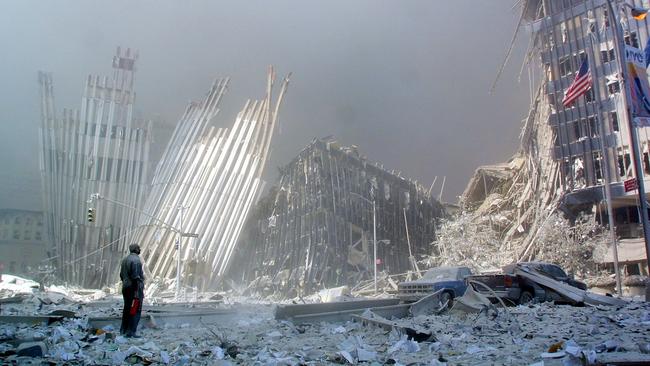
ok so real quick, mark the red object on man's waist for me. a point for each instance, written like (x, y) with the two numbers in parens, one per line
(134, 306)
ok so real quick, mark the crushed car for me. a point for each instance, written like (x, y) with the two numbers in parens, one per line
(449, 279)
(513, 288)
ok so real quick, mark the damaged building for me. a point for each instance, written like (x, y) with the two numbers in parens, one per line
(565, 150)
(100, 147)
(98, 197)
(565, 34)
(204, 186)
(316, 229)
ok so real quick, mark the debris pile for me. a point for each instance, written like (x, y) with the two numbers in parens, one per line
(510, 212)
(249, 334)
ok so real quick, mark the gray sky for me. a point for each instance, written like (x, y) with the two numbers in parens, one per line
(406, 81)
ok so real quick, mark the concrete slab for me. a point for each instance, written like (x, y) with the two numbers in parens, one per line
(162, 319)
(284, 312)
(394, 311)
(30, 319)
(429, 304)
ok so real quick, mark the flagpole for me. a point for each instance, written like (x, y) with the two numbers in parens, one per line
(638, 169)
(605, 166)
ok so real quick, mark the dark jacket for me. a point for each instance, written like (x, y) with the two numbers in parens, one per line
(131, 274)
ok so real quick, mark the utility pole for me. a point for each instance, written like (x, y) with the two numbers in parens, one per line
(178, 252)
(374, 239)
(634, 142)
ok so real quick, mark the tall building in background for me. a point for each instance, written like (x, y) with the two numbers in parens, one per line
(99, 148)
(22, 241)
(565, 34)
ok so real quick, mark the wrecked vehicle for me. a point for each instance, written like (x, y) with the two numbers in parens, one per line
(516, 289)
(449, 279)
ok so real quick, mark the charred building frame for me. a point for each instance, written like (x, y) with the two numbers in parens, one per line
(316, 229)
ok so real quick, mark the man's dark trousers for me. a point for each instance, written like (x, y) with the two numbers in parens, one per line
(130, 322)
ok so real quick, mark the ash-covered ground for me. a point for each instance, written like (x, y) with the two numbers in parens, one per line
(542, 334)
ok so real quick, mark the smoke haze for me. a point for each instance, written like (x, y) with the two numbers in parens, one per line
(406, 81)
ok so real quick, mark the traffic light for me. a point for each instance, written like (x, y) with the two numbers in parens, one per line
(91, 215)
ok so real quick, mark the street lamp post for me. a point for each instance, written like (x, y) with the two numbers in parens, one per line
(374, 241)
(96, 197)
(374, 234)
(634, 142)
(178, 252)
(178, 231)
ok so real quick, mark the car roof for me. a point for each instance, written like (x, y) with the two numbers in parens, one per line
(539, 263)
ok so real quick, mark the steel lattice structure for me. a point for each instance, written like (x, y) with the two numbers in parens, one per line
(205, 184)
(97, 148)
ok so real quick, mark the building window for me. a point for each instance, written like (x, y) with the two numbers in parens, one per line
(592, 128)
(589, 96)
(37, 235)
(564, 32)
(614, 88)
(551, 99)
(565, 66)
(598, 166)
(607, 55)
(27, 235)
(614, 118)
(576, 130)
(16, 235)
(18, 220)
(623, 164)
(631, 39)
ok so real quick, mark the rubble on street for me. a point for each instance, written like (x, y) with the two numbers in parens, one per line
(248, 333)
(542, 261)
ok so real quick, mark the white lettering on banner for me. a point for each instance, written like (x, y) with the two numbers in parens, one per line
(634, 55)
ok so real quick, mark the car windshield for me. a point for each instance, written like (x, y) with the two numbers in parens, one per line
(441, 274)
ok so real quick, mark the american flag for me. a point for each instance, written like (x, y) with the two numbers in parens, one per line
(580, 84)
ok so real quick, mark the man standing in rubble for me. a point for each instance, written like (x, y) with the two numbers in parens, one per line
(132, 278)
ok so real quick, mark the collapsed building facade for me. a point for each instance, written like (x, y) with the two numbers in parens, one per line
(98, 148)
(204, 186)
(97, 194)
(315, 230)
(566, 149)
